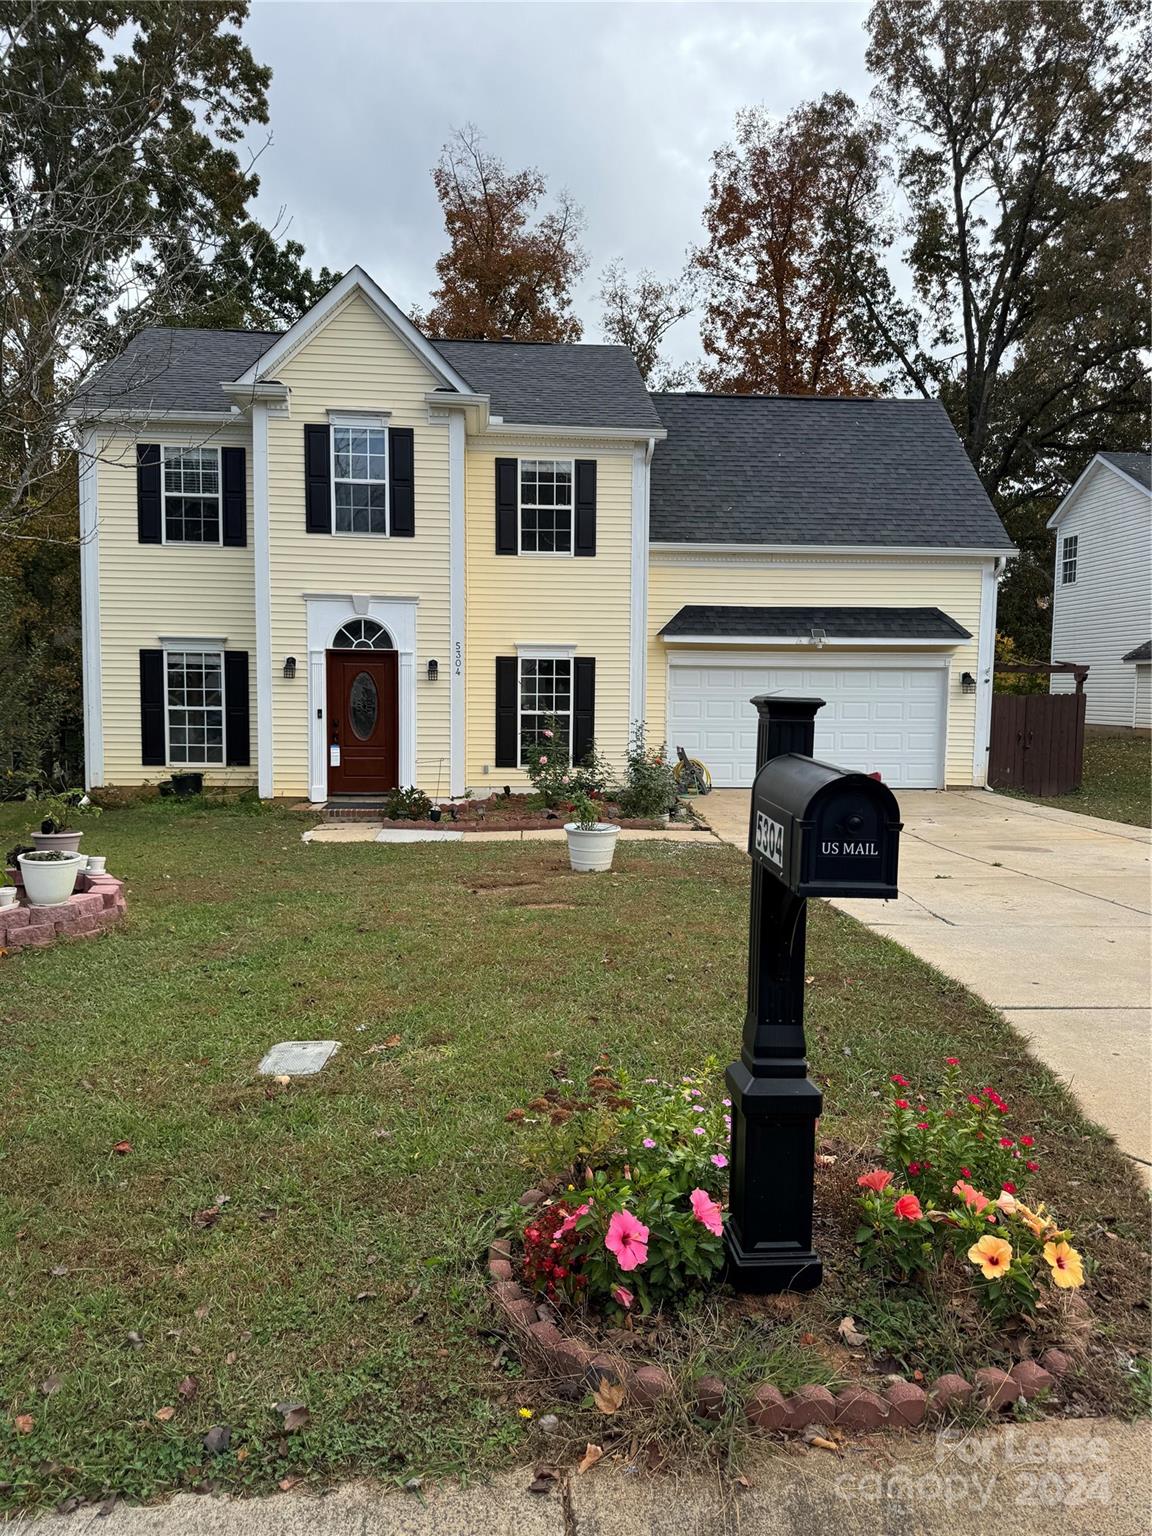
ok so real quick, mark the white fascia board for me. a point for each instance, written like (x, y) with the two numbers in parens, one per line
(535, 429)
(111, 417)
(1073, 496)
(356, 280)
(935, 551)
(833, 642)
(269, 391)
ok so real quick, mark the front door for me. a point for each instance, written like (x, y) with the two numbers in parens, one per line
(363, 722)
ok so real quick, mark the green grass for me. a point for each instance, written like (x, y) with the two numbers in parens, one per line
(1117, 781)
(344, 1270)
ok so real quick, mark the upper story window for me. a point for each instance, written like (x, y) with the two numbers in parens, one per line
(546, 506)
(1069, 554)
(194, 707)
(546, 702)
(191, 495)
(359, 479)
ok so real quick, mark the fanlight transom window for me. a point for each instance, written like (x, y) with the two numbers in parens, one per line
(362, 635)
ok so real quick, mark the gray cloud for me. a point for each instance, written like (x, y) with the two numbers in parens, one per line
(622, 104)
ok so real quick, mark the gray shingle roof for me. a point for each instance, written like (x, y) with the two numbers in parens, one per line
(760, 469)
(1138, 465)
(798, 622)
(1140, 653)
(555, 383)
(165, 368)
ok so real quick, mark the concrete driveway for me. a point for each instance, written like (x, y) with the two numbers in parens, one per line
(1045, 915)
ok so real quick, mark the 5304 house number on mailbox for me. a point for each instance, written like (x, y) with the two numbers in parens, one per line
(770, 839)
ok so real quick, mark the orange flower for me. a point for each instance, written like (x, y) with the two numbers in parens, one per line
(993, 1255)
(1037, 1222)
(908, 1208)
(970, 1196)
(1067, 1266)
(878, 1180)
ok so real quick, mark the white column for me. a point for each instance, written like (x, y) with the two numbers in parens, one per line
(985, 666)
(456, 602)
(263, 583)
(638, 647)
(87, 456)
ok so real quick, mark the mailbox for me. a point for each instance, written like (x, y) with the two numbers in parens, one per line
(824, 832)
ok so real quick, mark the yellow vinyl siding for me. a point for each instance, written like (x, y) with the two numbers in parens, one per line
(951, 585)
(356, 362)
(149, 590)
(545, 599)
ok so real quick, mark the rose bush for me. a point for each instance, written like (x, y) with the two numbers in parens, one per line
(554, 777)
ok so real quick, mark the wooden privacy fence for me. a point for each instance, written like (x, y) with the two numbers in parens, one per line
(1037, 739)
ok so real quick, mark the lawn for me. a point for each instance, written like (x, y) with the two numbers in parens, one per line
(1117, 781)
(343, 1270)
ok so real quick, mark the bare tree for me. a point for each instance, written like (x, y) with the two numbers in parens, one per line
(640, 313)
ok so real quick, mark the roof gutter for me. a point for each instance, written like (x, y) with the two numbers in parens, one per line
(498, 427)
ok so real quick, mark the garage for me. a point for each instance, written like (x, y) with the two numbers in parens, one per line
(885, 710)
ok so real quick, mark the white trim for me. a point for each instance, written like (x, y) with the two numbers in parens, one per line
(985, 666)
(1073, 496)
(877, 551)
(376, 419)
(181, 767)
(350, 423)
(218, 541)
(355, 280)
(638, 575)
(545, 650)
(110, 417)
(262, 576)
(89, 494)
(833, 642)
(326, 613)
(500, 428)
(457, 598)
(193, 642)
(1066, 558)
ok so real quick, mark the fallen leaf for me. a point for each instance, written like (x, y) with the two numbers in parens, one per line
(24, 1423)
(122, 1148)
(135, 1340)
(283, 1079)
(365, 1295)
(592, 1455)
(208, 1217)
(286, 1484)
(230, 1357)
(58, 1271)
(242, 1453)
(202, 1311)
(164, 1414)
(50, 1384)
(850, 1334)
(742, 1481)
(188, 1388)
(825, 1445)
(609, 1396)
(295, 1416)
(218, 1439)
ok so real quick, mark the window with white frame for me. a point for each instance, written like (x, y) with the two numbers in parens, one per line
(191, 495)
(546, 506)
(546, 702)
(359, 479)
(194, 706)
(1069, 555)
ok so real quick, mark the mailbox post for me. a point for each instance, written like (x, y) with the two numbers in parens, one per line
(815, 831)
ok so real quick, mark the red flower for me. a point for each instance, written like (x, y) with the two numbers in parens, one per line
(1027, 1141)
(913, 1169)
(1001, 1106)
(1008, 1188)
(878, 1180)
(1006, 1141)
(966, 1173)
(901, 1082)
(952, 1061)
(921, 1125)
(908, 1208)
(973, 1099)
(1032, 1167)
(902, 1104)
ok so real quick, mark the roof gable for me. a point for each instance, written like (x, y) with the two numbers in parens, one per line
(1135, 468)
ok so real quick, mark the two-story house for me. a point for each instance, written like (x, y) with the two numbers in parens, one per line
(1102, 588)
(346, 558)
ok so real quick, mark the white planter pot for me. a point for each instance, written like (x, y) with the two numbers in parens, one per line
(590, 849)
(62, 842)
(7, 896)
(50, 882)
(96, 863)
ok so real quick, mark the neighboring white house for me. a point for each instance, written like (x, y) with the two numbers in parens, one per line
(1102, 598)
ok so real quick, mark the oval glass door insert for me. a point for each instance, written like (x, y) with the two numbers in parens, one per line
(363, 706)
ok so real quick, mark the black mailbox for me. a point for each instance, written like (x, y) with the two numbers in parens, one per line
(824, 832)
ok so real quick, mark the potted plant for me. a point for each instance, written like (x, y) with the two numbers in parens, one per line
(59, 813)
(591, 842)
(8, 894)
(50, 875)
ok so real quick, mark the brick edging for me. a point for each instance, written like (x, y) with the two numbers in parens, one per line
(96, 905)
(901, 1405)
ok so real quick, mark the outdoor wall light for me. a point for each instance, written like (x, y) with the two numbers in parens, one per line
(967, 683)
(818, 635)
(289, 666)
(433, 671)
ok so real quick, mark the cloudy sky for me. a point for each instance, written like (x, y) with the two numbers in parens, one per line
(620, 103)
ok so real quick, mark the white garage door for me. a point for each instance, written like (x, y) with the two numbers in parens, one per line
(887, 720)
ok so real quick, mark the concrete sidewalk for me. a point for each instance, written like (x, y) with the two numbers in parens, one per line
(1080, 1478)
(1043, 913)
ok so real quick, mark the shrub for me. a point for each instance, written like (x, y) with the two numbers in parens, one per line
(934, 1210)
(649, 787)
(409, 804)
(554, 777)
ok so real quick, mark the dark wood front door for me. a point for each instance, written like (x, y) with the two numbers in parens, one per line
(363, 722)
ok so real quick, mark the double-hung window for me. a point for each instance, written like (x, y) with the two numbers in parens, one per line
(546, 702)
(1069, 557)
(194, 707)
(546, 506)
(359, 479)
(191, 493)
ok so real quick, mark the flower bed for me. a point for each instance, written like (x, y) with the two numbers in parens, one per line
(612, 1258)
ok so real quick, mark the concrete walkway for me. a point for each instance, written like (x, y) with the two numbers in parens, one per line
(1078, 1478)
(1043, 913)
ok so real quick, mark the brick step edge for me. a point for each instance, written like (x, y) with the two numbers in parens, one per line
(901, 1405)
(96, 906)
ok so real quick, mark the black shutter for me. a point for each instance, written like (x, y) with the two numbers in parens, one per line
(585, 541)
(507, 511)
(153, 751)
(583, 706)
(317, 480)
(236, 732)
(401, 482)
(507, 711)
(149, 511)
(234, 496)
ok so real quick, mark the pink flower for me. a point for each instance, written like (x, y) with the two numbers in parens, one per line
(649, 1143)
(694, 1093)
(1006, 1141)
(921, 1125)
(542, 759)
(627, 1239)
(571, 1219)
(698, 1130)
(1031, 1166)
(623, 1296)
(707, 1212)
(952, 1061)
(719, 1160)
(971, 1197)
(878, 1180)
(547, 735)
(908, 1208)
(727, 1103)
